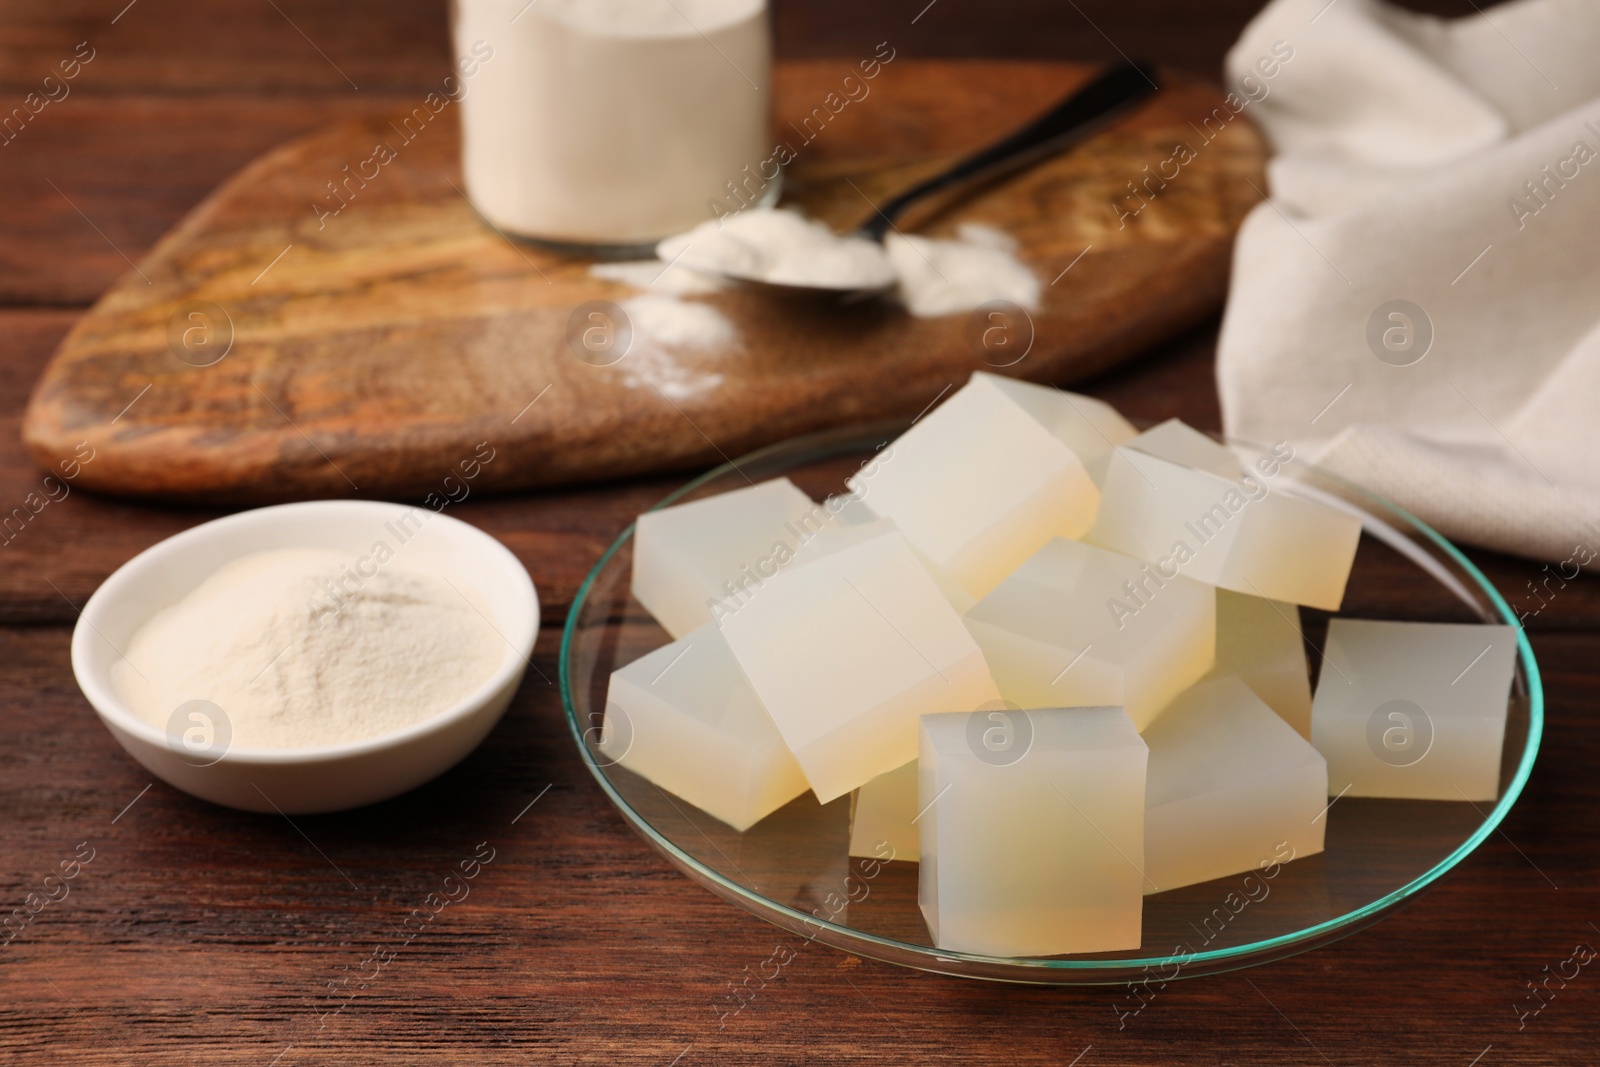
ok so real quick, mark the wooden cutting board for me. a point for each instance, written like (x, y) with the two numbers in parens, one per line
(261, 352)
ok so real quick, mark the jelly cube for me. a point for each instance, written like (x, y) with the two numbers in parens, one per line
(689, 557)
(1230, 531)
(1177, 442)
(1090, 427)
(848, 649)
(853, 526)
(849, 509)
(1414, 709)
(685, 718)
(1037, 849)
(1229, 785)
(859, 527)
(1260, 642)
(883, 816)
(977, 486)
(1080, 625)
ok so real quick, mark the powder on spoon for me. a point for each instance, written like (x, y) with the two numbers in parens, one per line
(781, 248)
(931, 277)
(939, 277)
(299, 650)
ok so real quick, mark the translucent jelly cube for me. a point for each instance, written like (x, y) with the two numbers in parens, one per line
(1178, 442)
(977, 486)
(1236, 532)
(1090, 427)
(688, 557)
(1080, 625)
(1229, 783)
(848, 649)
(1260, 643)
(848, 509)
(1414, 709)
(685, 718)
(854, 526)
(883, 816)
(1035, 849)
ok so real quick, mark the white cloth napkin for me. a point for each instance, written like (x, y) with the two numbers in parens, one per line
(1452, 166)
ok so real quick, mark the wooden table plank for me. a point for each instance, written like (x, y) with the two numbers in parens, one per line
(62, 554)
(91, 186)
(405, 333)
(201, 935)
(182, 46)
(189, 46)
(205, 935)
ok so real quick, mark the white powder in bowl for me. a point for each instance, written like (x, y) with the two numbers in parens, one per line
(300, 648)
(782, 248)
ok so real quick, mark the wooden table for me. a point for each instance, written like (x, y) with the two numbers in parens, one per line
(201, 935)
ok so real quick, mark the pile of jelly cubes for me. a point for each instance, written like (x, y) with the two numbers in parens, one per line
(1055, 661)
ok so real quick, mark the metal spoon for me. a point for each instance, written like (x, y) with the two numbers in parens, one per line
(1080, 114)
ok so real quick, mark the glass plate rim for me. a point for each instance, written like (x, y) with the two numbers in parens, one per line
(1306, 938)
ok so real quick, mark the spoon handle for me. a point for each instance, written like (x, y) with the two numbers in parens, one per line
(1117, 87)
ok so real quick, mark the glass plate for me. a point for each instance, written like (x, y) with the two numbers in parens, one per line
(792, 869)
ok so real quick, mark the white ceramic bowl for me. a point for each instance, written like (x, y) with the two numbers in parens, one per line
(330, 777)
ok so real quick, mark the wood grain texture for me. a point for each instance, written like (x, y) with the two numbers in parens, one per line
(205, 936)
(186, 47)
(177, 99)
(58, 544)
(202, 936)
(1195, 36)
(399, 332)
(305, 46)
(59, 556)
(92, 184)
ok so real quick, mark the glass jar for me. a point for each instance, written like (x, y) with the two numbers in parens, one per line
(606, 125)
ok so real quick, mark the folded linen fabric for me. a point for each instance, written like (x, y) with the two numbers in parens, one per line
(1417, 307)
